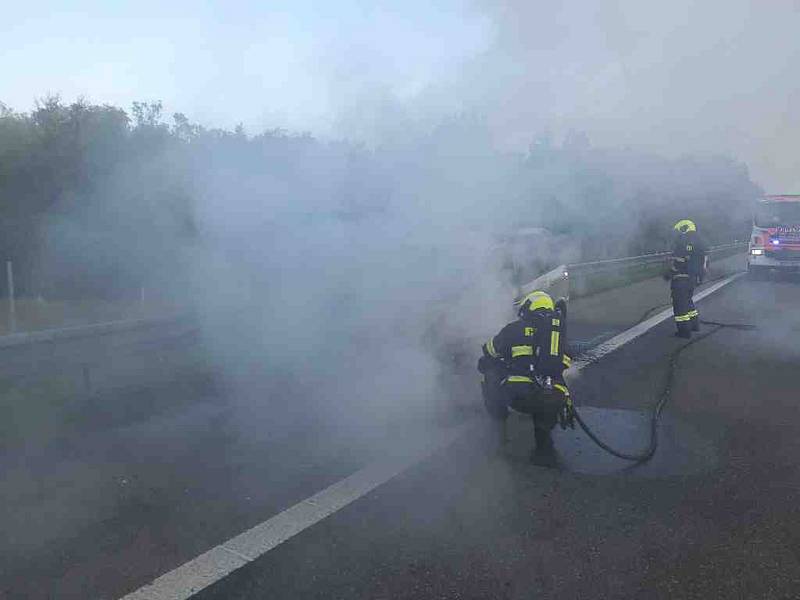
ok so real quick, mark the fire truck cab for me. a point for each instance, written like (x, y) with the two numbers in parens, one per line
(775, 241)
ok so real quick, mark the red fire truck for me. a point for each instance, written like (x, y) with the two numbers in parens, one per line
(775, 242)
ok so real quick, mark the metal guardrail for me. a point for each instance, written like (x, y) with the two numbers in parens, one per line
(97, 355)
(99, 346)
(582, 279)
(714, 251)
(563, 278)
(84, 331)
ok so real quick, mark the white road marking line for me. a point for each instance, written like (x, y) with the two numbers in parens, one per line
(637, 330)
(217, 563)
(222, 560)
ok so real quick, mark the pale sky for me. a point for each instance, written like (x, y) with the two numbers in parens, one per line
(292, 64)
(685, 76)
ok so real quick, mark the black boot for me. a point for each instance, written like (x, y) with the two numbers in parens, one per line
(695, 324)
(544, 454)
(684, 333)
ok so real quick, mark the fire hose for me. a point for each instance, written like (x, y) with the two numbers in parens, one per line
(662, 400)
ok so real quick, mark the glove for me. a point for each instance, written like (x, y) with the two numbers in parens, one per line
(666, 276)
(566, 416)
(486, 364)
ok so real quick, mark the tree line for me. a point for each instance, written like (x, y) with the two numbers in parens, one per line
(98, 201)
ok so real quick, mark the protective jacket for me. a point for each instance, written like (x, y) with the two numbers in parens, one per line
(688, 257)
(529, 347)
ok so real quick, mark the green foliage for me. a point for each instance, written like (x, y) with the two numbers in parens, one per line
(97, 201)
(92, 168)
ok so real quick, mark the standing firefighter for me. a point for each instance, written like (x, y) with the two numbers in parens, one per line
(523, 368)
(688, 265)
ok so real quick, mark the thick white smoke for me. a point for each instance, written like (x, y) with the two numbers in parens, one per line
(347, 276)
(688, 76)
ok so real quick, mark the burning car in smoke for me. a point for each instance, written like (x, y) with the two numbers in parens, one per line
(526, 253)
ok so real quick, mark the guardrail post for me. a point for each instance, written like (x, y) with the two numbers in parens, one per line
(87, 378)
(12, 309)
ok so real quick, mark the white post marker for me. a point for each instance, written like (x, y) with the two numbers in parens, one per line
(12, 308)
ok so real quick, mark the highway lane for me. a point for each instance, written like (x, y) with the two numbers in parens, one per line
(105, 515)
(471, 524)
(600, 316)
(101, 514)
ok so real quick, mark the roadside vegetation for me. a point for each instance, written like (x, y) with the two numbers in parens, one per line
(100, 205)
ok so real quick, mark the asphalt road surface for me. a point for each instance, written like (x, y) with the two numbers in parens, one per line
(715, 515)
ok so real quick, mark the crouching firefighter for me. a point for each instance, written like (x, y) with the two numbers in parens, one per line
(523, 369)
(688, 265)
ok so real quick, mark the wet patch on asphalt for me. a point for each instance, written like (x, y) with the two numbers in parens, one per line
(683, 448)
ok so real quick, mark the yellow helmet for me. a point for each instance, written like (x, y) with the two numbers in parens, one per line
(685, 226)
(533, 301)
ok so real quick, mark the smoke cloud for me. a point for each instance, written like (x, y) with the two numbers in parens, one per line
(671, 78)
(675, 77)
(339, 272)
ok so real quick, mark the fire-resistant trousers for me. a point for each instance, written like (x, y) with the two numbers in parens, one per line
(686, 315)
